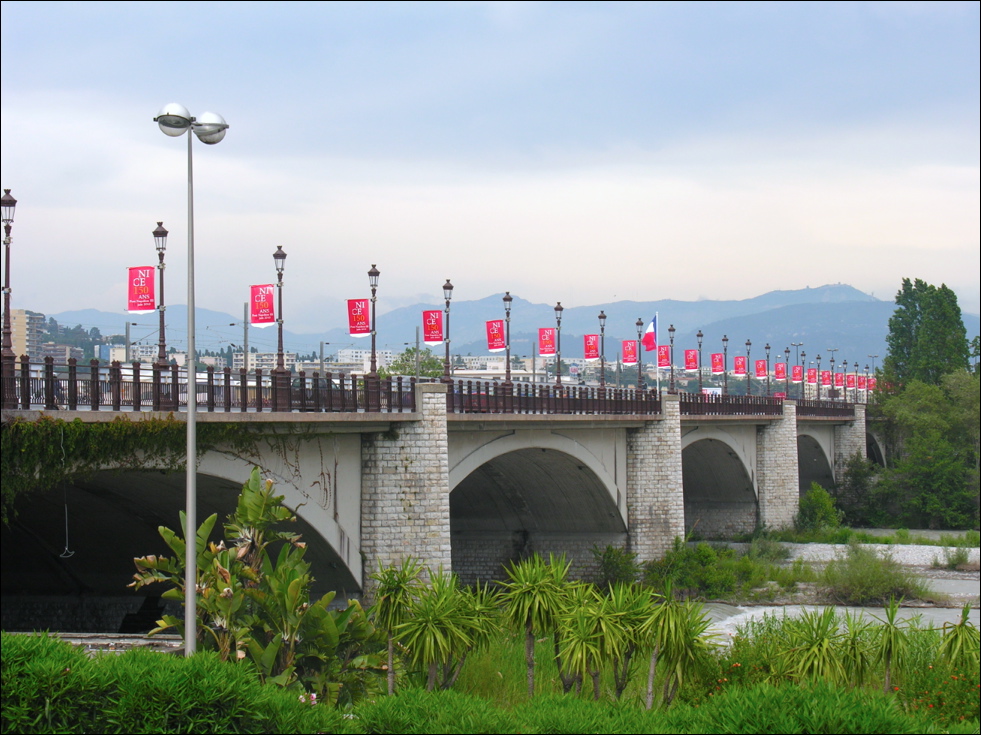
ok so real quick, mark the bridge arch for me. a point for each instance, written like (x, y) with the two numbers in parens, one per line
(530, 491)
(814, 460)
(719, 484)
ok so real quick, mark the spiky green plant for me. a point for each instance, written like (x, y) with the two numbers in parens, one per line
(396, 586)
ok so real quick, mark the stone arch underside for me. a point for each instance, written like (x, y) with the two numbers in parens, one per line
(526, 501)
(720, 500)
(112, 518)
(813, 464)
(873, 450)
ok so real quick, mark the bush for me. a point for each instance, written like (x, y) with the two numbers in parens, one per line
(817, 511)
(616, 565)
(862, 577)
(419, 711)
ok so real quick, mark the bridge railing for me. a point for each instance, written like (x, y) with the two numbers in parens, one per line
(829, 409)
(698, 404)
(473, 396)
(98, 386)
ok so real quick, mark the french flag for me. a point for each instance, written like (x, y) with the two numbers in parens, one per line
(650, 336)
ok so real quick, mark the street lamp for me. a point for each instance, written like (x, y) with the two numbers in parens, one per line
(507, 299)
(699, 336)
(671, 339)
(786, 371)
(174, 120)
(602, 323)
(447, 294)
(819, 377)
(725, 364)
(767, 348)
(160, 241)
(749, 372)
(8, 204)
(640, 361)
(373, 282)
(803, 378)
(558, 343)
(280, 382)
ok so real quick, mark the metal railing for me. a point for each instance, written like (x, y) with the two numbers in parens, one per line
(98, 386)
(698, 404)
(471, 396)
(828, 409)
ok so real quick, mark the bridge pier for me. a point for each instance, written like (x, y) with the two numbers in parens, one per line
(849, 439)
(777, 484)
(405, 491)
(655, 488)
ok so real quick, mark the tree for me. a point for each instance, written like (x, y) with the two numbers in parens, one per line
(430, 366)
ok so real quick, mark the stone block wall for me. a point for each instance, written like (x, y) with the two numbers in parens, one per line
(777, 470)
(849, 439)
(405, 496)
(655, 489)
(719, 519)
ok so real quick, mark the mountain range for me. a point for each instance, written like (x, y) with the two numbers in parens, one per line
(833, 316)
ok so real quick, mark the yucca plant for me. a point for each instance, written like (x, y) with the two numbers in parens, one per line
(811, 646)
(961, 643)
(892, 643)
(396, 586)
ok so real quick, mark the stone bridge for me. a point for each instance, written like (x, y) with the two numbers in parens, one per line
(468, 491)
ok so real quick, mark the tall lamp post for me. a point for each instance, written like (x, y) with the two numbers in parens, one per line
(507, 299)
(280, 381)
(602, 323)
(9, 368)
(640, 360)
(699, 337)
(819, 377)
(558, 343)
(174, 120)
(373, 282)
(767, 348)
(725, 365)
(160, 241)
(749, 372)
(671, 350)
(797, 361)
(447, 295)
(786, 371)
(802, 360)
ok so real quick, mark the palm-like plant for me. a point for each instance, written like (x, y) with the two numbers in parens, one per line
(812, 646)
(893, 641)
(857, 648)
(394, 592)
(961, 642)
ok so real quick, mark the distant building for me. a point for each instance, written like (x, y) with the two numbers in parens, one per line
(60, 353)
(264, 361)
(26, 332)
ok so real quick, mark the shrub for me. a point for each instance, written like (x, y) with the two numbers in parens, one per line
(817, 511)
(862, 577)
(419, 711)
(616, 565)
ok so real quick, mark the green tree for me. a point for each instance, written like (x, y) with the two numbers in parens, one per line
(430, 366)
(396, 588)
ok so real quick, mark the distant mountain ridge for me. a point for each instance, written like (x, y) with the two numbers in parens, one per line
(833, 316)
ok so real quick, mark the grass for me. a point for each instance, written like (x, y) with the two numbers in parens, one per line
(844, 535)
(863, 577)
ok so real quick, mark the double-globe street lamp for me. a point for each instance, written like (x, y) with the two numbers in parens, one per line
(8, 358)
(174, 120)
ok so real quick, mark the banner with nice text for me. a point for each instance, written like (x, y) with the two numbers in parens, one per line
(873, 383)
(812, 376)
(140, 297)
(546, 341)
(691, 360)
(780, 371)
(590, 347)
(495, 335)
(850, 381)
(761, 368)
(629, 352)
(862, 382)
(839, 380)
(797, 374)
(359, 325)
(262, 310)
(432, 327)
(739, 364)
(826, 377)
(664, 356)
(717, 363)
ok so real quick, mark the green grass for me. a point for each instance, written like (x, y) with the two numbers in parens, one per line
(844, 535)
(862, 577)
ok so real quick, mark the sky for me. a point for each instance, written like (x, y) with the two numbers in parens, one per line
(575, 152)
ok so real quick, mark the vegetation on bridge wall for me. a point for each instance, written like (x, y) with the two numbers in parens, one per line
(39, 455)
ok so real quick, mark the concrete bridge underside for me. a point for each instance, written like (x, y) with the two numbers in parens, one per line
(720, 497)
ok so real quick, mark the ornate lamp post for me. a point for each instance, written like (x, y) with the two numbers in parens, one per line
(507, 299)
(558, 343)
(832, 392)
(640, 360)
(160, 241)
(371, 380)
(819, 377)
(174, 120)
(699, 336)
(872, 356)
(602, 323)
(447, 294)
(280, 379)
(749, 372)
(725, 365)
(671, 350)
(9, 368)
(767, 348)
(803, 383)
(786, 371)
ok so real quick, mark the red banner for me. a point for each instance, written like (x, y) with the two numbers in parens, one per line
(797, 374)
(691, 359)
(664, 356)
(263, 309)
(140, 297)
(359, 325)
(495, 335)
(432, 327)
(839, 380)
(862, 382)
(761, 368)
(780, 371)
(717, 367)
(629, 352)
(873, 382)
(825, 377)
(780, 395)
(739, 364)
(546, 341)
(812, 376)
(590, 346)
(850, 380)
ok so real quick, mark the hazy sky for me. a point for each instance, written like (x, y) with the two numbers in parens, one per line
(566, 152)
